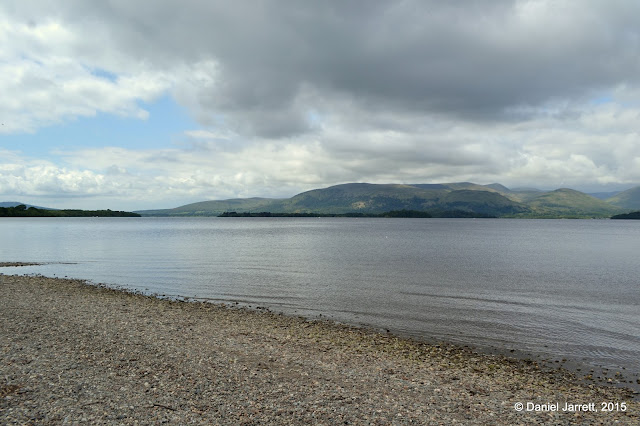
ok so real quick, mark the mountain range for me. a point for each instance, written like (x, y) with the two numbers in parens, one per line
(445, 199)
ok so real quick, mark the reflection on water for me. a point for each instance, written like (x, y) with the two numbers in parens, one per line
(553, 287)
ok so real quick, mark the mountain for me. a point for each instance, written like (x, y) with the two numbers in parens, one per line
(480, 201)
(370, 198)
(456, 186)
(629, 199)
(520, 195)
(499, 187)
(216, 207)
(358, 197)
(603, 195)
(443, 199)
(566, 202)
(365, 198)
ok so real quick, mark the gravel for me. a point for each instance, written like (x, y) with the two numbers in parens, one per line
(71, 352)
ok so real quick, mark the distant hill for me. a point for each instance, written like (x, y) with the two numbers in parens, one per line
(520, 195)
(370, 198)
(603, 195)
(359, 197)
(457, 186)
(365, 198)
(16, 203)
(629, 199)
(499, 187)
(216, 207)
(430, 185)
(480, 201)
(566, 202)
(456, 199)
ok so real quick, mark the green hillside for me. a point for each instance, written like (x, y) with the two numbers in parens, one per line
(442, 199)
(566, 202)
(524, 195)
(459, 186)
(481, 201)
(499, 188)
(446, 199)
(369, 198)
(360, 197)
(629, 199)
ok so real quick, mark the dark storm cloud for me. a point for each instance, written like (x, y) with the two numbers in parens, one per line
(276, 60)
(292, 95)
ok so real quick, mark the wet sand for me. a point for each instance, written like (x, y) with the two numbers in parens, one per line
(73, 352)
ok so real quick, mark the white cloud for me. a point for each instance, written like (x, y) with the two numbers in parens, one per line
(565, 153)
(292, 96)
(46, 78)
(208, 134)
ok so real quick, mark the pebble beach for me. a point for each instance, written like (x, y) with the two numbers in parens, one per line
(73, 352)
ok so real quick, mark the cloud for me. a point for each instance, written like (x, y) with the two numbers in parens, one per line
(292, 95)
(46, 179)
(262, 68)
(47, 79)
(208, 165)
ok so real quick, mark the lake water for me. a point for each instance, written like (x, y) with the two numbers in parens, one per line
(551, 288)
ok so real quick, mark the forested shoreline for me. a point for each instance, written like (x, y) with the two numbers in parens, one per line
(22, 211)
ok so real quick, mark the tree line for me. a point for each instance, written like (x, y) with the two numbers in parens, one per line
(392, 214)
(632, 215)
(22, 211)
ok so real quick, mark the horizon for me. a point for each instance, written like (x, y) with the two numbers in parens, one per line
(287, 197)
(119, 106)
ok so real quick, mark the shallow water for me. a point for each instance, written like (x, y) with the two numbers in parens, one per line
(553, 288)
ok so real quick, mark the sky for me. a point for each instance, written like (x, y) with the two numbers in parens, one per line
(144, 104)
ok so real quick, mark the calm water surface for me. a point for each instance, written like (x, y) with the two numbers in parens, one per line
(554, 288)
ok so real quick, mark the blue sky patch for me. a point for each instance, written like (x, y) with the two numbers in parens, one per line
(166, 123)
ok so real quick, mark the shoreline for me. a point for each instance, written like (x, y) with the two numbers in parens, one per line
(73, 350)
(588, 372)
